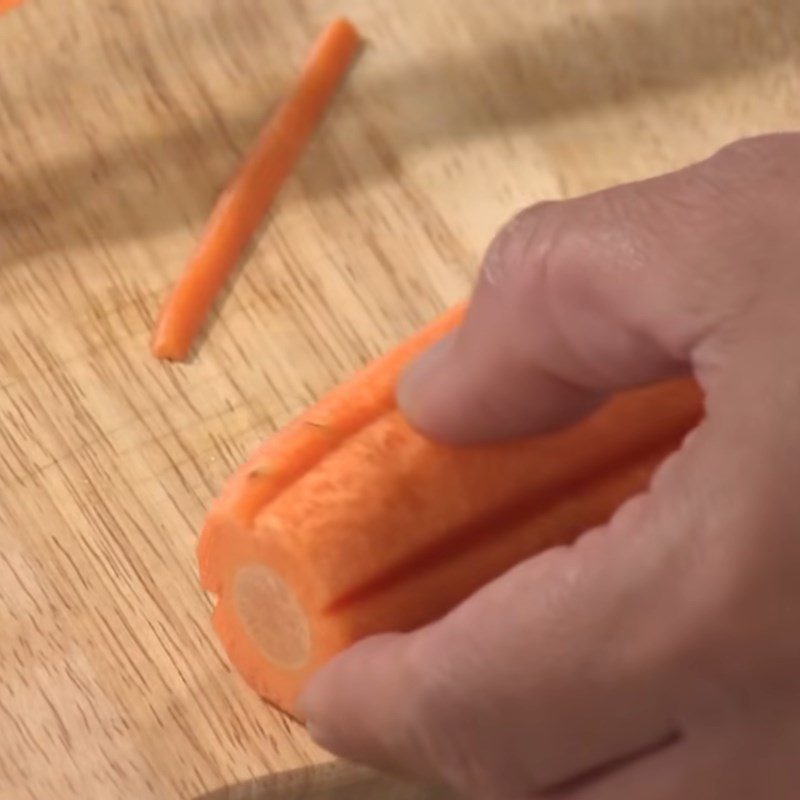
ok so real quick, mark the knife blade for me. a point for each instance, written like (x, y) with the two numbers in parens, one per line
(336, 780)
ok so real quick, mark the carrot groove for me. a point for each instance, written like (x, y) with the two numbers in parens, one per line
(246, 200)
(495, 523)
(349, 523)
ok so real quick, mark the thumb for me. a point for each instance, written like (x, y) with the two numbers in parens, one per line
(580, 298)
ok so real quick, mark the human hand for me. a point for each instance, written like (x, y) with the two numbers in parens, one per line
(659, 657)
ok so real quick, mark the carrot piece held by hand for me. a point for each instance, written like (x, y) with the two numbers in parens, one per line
(349, 523)
(247, 198)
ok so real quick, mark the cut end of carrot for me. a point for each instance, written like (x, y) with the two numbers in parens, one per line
(166, 348)
(272, 616)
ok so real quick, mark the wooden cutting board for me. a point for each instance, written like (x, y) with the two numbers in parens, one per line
(119, 122)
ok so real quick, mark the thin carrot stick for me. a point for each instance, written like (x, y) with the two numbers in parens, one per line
(247, 198)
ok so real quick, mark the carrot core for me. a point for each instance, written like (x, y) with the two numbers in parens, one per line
(272, 616)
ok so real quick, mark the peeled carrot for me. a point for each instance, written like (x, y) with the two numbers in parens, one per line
(349, 523)
(247, 198)
(7, 5)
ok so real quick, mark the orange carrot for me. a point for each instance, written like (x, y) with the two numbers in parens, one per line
(248, 196)
(349, 523)
(7, 5)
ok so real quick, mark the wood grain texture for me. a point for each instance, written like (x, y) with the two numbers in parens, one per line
(119, 122)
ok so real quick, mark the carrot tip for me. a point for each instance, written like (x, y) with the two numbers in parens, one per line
(165, 351)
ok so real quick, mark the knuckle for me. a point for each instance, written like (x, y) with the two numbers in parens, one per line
(525, 247)
(717, 202)
(753, 175)
(749, 149)
(759, 150)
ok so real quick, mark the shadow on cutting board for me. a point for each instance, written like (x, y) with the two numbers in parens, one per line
(115, 193)
(337, 780)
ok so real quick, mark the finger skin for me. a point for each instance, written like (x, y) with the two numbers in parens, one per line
(615, 289)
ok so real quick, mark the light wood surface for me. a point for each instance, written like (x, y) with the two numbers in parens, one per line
(119, 122)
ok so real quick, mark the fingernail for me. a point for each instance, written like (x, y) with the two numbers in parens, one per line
(305, 712)
(415, 382)
(303, 708)
(319, 735)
